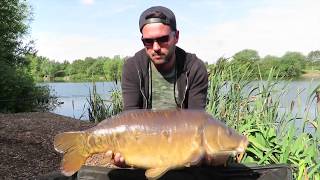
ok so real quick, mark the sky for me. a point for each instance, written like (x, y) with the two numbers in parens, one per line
(75, 29)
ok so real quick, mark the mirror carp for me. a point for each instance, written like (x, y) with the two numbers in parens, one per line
(154, 140)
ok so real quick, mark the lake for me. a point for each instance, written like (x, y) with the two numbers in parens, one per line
(74, 96)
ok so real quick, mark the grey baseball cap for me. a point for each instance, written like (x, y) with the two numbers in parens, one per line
(169, 18)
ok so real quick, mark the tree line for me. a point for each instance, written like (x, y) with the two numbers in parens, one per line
(290, 65)
(97, 69)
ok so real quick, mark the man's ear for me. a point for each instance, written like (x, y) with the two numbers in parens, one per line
(176, 36)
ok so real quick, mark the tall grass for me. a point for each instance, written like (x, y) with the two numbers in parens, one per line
(253, 109)
(100, 109)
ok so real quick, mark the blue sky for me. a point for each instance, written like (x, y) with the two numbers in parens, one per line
(73, 29)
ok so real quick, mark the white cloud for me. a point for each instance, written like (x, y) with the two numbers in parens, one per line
(62, 47)
(87, 2)
(269, 30)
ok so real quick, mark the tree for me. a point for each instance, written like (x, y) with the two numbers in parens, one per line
(34, 66)
(314, 56)
(18, 92)
(47, 68)
(267, 63)
(246, 56)
(14, 15)
(292, 64)
(113, 68)
(78, 67)
(247, 61)
(96, 69)
(313, 59)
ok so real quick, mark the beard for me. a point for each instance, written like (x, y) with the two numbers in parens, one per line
(165, 57)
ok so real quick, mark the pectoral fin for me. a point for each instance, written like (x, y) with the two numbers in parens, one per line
(155, 173)
(196, 157)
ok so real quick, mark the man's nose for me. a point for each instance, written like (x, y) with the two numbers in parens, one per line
(156, 46)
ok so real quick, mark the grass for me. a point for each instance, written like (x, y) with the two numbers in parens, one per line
(273, 136)
(100, 109)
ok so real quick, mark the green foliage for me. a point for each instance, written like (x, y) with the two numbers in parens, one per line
(78, 67)
(13, 27)
(96, 68)
(113, 69)
(314, 56)
(273, 137)
(116, 103)
(313, 60)
(89, 69)
(224, 92)
(246, 56)
(267, 63)
(99, 110)
(18, 91)
(41, 67)
(292, 64)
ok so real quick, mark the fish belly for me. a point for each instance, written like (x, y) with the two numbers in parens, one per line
(163, 149)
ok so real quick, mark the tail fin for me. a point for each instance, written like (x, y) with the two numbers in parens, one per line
(72, 144)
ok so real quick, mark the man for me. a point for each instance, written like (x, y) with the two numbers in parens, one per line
(162, 66)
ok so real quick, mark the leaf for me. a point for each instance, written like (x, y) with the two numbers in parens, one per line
(257, 143)
(315, 171)
(298, 145)
(249, 159)
(258, 153)
(301, 169)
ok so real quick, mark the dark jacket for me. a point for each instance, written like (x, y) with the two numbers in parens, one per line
(191, 81)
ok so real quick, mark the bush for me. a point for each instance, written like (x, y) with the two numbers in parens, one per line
(19, 93)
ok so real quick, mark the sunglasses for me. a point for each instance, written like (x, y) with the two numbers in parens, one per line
(163, 40)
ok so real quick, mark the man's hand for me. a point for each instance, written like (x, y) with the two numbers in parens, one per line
(117, 159)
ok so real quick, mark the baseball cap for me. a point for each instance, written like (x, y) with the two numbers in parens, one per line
(169, 18)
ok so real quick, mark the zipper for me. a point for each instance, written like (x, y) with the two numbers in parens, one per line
(140, 84)
(185, 90)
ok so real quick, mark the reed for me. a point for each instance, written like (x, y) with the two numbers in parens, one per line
(100, 109)
(253, 109)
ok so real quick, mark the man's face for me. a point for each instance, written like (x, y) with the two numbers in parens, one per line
(159, 41)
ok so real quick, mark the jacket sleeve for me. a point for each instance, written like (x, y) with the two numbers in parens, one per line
(130, 85)
(198, 87)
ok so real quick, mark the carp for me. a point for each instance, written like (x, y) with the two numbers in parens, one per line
(157, 141)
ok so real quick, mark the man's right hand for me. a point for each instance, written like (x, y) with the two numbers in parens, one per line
(117, 159)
